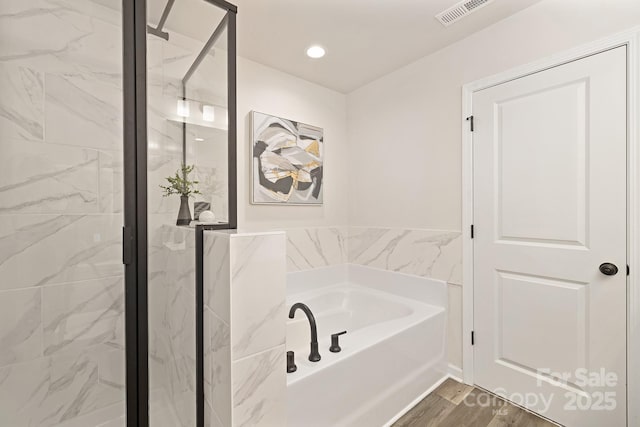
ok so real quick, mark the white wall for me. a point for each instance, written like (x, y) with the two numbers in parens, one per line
(405, 128)
(264, 89)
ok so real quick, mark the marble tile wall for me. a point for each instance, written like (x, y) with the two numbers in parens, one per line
(217, 330)
(61, 286)
(244, 319)
(309, 248)
(428, 253)
(172, 322)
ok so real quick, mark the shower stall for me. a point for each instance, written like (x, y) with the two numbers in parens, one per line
(102, 101)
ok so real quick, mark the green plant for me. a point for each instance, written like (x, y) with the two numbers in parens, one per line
(180, 184)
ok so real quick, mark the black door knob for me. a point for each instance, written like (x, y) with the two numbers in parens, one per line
(608, 269)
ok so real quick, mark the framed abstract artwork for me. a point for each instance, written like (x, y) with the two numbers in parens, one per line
(287, 161)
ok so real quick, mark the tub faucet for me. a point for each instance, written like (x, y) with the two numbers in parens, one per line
(314, 356)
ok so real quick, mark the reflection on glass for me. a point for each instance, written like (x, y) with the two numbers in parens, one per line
(187, 151)
(206, 134)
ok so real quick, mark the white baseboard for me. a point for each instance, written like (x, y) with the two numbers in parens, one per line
(455, 372)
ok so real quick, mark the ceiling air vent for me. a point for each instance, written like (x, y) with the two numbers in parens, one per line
(460, 10)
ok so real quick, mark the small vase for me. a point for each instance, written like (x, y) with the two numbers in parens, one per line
(184, 214)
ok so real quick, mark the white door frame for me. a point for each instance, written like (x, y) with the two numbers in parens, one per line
(631, 39)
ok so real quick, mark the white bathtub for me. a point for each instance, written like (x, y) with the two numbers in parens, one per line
(392, 354)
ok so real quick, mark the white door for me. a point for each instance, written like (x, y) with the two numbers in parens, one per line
(549, 209)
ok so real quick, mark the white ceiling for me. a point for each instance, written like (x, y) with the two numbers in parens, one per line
(364, 39)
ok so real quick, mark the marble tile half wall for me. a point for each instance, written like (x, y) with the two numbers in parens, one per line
(309, 248)
(435, 254)
(244, 292)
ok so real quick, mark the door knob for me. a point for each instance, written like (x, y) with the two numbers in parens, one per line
(608, 269)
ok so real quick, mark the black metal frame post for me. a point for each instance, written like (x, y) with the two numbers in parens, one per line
(200, 326)
(232, 182)
(134, 242)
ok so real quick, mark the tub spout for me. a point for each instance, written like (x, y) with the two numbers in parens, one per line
(314, 356)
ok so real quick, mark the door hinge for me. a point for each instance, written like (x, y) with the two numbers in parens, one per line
(473, 338)
(472, 231)
(628, 269)
(470, 120)
(127, 245)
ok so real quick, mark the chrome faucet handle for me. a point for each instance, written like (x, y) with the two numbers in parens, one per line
(335, 345)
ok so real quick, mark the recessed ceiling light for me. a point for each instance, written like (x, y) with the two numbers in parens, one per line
(315, 52)
(199, 139)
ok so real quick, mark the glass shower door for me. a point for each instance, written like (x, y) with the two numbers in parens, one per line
(187, 175)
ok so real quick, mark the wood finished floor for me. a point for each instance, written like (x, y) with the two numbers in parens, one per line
(454, 404)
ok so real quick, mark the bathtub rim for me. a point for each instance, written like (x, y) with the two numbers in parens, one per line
(427, 290)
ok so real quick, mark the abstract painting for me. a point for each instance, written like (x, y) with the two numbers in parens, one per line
(287, 161)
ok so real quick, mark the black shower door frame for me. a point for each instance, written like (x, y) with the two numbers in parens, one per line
(134, 233)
